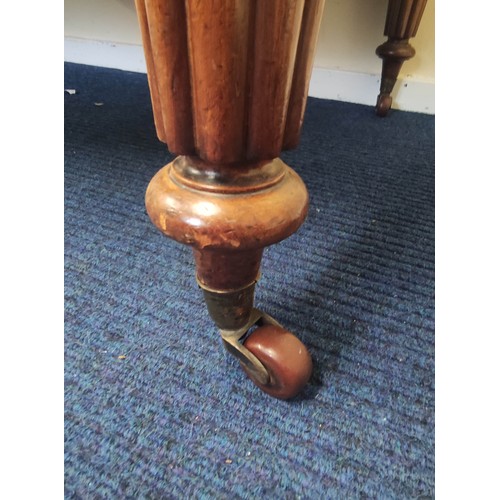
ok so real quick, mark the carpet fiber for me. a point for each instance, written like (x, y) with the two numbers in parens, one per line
(156, 408)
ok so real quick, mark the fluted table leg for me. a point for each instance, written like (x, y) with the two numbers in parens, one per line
(229, 82)
(402, 21)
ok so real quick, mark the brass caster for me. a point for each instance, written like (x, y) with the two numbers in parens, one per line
(273, 358)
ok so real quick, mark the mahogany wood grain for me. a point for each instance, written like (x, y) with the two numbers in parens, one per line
(277, 32)
(219, 270)
(218, 51)
(151, 71)
(228, 218)
(229, 78)
(302, 71)
(403, 18)
(168, 35)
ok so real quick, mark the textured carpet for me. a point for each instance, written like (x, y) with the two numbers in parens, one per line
(155, 407)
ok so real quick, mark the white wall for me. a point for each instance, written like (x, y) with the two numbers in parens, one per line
(352, 29)
(106, 33)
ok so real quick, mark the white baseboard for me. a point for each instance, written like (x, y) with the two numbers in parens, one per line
(360, 88)
(363, 88)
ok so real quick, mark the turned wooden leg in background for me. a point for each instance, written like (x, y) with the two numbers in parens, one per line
(229, 82)
(402, 21)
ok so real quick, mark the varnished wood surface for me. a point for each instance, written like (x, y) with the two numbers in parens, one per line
(254, 218)
(403, 18)
(228, 223)
(302, 71)
(229, 78)
(402, 21)
(277, 31)
(151, 71)
(227, 270)
(218, 51)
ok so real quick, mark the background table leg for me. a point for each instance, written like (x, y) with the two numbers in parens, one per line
(402, 21)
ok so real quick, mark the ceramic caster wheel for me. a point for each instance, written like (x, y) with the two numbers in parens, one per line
(384, 103)
(285, 357)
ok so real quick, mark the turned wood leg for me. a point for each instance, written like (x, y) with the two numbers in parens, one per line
(229, 82)
(402, 21)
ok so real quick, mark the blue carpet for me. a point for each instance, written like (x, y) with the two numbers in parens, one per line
(155, 407)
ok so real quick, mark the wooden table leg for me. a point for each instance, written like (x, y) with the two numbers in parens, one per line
(229, 82)
(402, 21)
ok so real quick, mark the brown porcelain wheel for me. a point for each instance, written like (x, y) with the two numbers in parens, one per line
(384, 103)
(285, 357)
